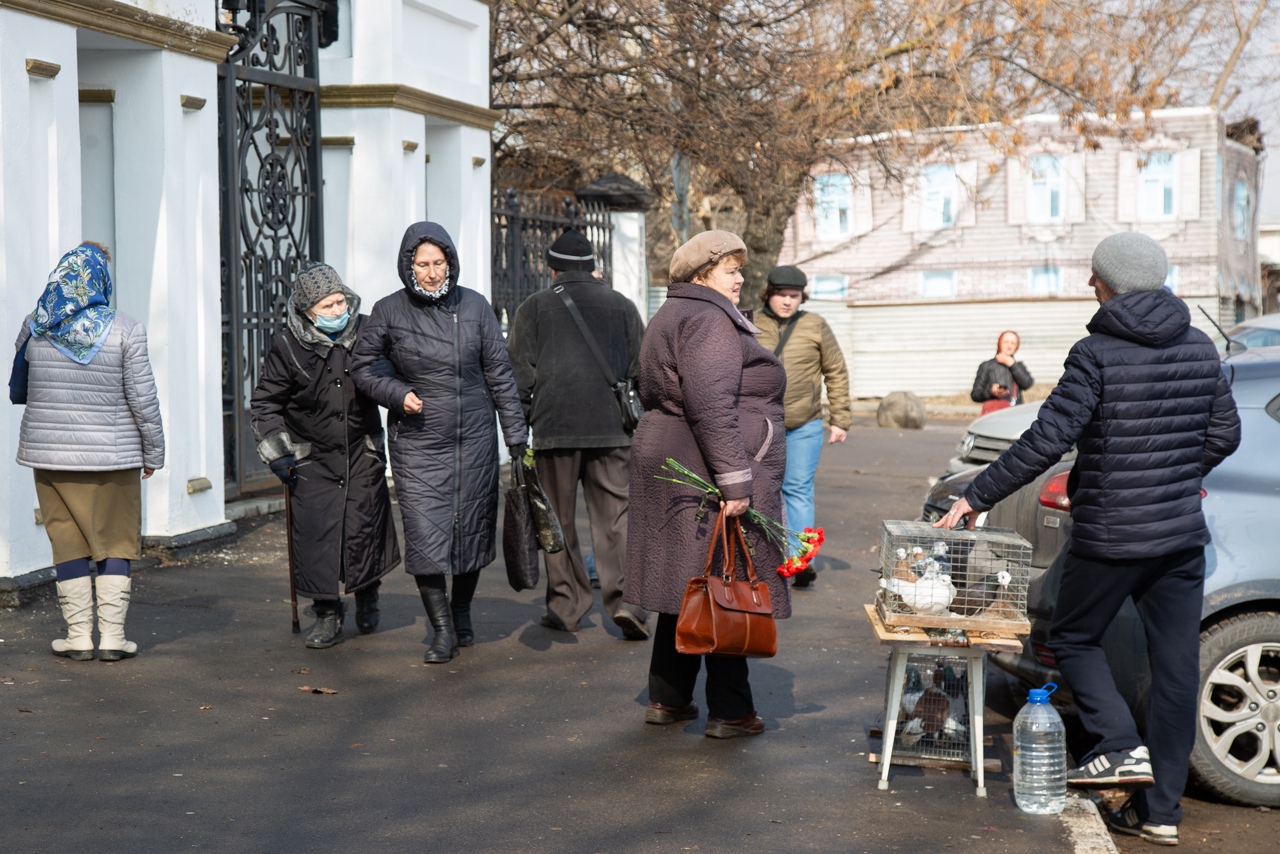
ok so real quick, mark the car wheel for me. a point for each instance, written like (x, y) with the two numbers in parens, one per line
(1237, 750)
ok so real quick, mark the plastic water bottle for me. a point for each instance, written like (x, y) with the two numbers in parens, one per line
(1039, 755)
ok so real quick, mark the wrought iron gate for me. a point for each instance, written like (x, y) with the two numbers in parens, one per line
(269, 171)
(524, 226)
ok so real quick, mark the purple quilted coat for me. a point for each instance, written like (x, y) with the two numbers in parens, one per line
(713, 401)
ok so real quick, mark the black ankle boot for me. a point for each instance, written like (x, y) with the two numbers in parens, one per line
(462, 623)
(367, 612)
(444, 643)
(327, 631)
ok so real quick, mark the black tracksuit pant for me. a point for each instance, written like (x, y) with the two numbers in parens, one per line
(1169, 592)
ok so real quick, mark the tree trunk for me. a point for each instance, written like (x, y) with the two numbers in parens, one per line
(766, 222)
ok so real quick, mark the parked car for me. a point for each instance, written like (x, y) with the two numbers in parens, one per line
(1237, 750)
(1263, 331)
(991, 435)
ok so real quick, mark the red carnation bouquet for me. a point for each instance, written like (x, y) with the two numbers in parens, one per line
(798, 547)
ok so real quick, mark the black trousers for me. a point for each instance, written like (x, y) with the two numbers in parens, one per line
(672, 676)
(1169, 593)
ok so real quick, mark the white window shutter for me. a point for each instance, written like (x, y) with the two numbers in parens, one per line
(1127, 186)
(863, 219)
(1189, 184)
(911, 206)
(967, 193)
(1016, 195)
(1074, 187)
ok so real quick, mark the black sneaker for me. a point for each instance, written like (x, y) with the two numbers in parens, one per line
(1125, 820)
(1119, 768)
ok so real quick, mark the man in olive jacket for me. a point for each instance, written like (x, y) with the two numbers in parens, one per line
(1144, 401)
(578, 435)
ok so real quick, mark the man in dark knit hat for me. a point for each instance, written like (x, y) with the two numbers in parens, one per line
(578, 432)
(1146, 404)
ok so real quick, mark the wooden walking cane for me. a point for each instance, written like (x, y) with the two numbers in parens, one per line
(293, 586)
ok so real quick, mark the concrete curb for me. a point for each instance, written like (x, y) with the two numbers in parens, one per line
(1085, 827)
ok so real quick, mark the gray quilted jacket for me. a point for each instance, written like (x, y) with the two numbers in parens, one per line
(103, 416)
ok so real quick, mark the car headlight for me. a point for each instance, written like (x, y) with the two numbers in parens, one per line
(966, 444)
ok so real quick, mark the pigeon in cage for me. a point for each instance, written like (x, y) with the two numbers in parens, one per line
(932, 594)
(902, 567)
(912, 688)
(910, 733)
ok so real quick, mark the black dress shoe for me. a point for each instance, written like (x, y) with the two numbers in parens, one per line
(367, 612)
(733, 727)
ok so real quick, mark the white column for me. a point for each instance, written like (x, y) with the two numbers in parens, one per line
(630, 272)
(39, 221)
(458, 195)
(168, 269)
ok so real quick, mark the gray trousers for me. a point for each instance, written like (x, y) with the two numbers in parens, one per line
(605, 474)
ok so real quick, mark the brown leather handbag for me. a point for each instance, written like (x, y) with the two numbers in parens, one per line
(721, 615)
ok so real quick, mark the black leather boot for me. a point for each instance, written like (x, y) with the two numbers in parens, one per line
(462, 624)
(367, 612)
(327, 631)
(444, 643)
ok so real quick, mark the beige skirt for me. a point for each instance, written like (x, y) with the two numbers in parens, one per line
(93, 514)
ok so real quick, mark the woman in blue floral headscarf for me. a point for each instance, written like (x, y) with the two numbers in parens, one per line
(92, 432)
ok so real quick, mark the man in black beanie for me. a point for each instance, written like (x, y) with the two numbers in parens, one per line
(578, 433)
(1150, 413)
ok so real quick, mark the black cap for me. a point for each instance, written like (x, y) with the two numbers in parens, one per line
(787, 277)
(571, 251)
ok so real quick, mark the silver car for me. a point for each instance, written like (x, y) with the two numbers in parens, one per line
(1237, 750)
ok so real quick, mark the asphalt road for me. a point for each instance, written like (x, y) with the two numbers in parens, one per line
(532, 740)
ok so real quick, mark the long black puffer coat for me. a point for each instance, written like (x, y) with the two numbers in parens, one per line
(306, 405)
(450, 352)
(1145, 401)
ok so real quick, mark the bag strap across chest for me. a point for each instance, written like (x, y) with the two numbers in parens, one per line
(586, 334)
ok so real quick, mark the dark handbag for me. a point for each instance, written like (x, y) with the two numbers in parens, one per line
(519, 541)
(624, 390)
(545, 524)
(721, 615)
(19, 375)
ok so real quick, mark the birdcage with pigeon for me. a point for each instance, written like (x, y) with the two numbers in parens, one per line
(935, 578)
(934, 716)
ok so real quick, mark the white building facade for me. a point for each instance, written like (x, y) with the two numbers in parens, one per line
(918, 280)
(109, 131)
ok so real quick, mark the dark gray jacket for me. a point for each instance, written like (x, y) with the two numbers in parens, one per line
(566, 398)
(444, 460)
(991, 372)
(1145, 402)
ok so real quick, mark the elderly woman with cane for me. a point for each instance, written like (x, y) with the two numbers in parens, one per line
(324, 440)
(446, 373)
(92, 433)
(713, 402)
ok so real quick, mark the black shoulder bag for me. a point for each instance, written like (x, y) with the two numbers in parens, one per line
(786, 333)
(625, 389)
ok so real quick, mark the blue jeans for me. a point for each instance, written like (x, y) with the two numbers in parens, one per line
(804, 446)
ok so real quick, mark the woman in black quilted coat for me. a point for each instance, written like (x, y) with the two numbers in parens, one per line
(451, 371)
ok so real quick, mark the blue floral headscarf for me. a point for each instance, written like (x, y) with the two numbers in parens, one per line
(74, 313)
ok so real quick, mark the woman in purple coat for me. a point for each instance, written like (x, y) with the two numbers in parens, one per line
(713, 402)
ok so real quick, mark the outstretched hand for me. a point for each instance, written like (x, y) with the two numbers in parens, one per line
(959, 511)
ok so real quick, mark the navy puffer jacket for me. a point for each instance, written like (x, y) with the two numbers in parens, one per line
(1146, 403)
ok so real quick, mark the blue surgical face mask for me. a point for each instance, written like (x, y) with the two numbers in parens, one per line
(330, 323)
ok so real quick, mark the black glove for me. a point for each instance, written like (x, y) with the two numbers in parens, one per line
(285, 468)
(517, 451)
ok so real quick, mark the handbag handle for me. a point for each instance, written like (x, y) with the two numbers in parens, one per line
(729, 546)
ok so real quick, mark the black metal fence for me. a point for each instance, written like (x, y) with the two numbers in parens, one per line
(525, 225)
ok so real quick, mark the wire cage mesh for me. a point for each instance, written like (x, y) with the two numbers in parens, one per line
(933, 721)
(953, 579)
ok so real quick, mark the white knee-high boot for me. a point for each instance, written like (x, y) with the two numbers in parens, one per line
(113, 606)
(75, 598)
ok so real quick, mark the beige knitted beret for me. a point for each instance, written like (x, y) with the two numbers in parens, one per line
(701, 250)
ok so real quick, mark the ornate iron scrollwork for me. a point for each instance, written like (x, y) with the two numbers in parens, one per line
(269, 116)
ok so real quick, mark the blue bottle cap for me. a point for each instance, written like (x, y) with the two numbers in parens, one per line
(1040, 696)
